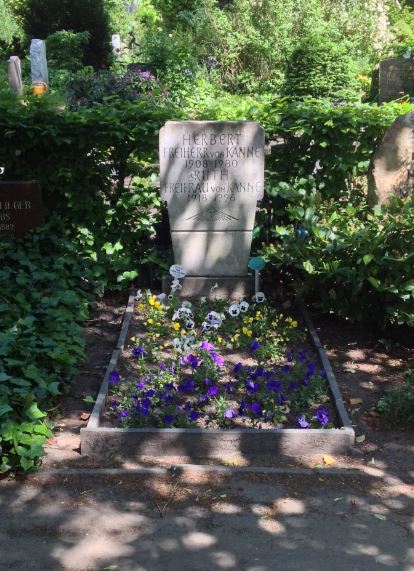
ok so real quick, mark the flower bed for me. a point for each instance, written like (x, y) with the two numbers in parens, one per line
(159, 400)
(217, 365)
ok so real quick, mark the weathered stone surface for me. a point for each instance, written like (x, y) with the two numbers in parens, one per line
(14, 72)
(214, 287)
(212, 253)
(392, 165)
(396, 78)
(38, 61)
(212, 175)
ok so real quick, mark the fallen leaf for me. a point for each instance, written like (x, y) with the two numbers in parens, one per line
(380, 516)
(85, 415)
(360, 439)
(329, 460)
(355, 401)
(337, 499)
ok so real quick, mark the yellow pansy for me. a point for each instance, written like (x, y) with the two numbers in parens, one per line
(157, 304)
(152, 300)
(150, 321)
(176, 326)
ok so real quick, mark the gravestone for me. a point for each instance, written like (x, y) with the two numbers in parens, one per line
(38, 62)
(116, 44)
(14, 72)
(396, 78)
(212, 176)
(20, 208)
(391, 169)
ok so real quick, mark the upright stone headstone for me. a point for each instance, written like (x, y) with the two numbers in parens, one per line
(396, 78)
(116, 44)
(392, 165)
(21, 207)
(212, 175)
(38, 62)
(14, 72)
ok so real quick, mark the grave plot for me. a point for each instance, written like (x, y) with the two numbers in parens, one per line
(216, 380)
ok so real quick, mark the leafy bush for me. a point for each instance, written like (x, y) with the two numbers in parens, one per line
(65, 49)
(321, 68)
(86, 89)
(397, 405)
(348, 259)
(44, 295)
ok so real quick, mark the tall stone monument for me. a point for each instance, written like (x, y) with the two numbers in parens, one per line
(14, 72)
(212, 176)
(38, 62)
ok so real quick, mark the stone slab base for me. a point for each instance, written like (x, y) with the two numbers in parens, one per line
(212, 253)
(234, 287)
(200, 444)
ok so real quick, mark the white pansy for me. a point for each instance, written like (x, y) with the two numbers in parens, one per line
(189, 342)
(162, 297)
(259, 297)
(203, 299)
(244, 306)
(189, 323)
(185, 313)
(205, 326)
(178, 346)
(234, 310)
(186, 304)
(212, 316)
(139, 295)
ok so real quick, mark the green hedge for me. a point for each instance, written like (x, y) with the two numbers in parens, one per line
(81, 159)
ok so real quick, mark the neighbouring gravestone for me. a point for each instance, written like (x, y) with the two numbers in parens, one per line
(14, 72)
(396, 78)
(212, 176)
(20, 208)
(38, 63)
(116, 44)
(391, 169)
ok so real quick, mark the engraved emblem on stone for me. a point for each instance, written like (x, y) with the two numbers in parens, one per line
(212, 214)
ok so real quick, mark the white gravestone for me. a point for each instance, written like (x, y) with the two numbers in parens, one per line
(38, 62)
(14, 72)
(212, 176)
(116, 44)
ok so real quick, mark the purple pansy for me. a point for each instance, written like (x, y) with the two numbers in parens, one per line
(207, 346)
(254, 346)
(322, 416)
(303, 423)
(138, 352)
(230, 413)
(114, 378)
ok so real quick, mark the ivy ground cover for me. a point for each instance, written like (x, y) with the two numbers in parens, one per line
(217, 364)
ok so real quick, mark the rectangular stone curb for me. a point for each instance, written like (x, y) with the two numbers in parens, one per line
(129, 312)
(253, 444)
(333, 385)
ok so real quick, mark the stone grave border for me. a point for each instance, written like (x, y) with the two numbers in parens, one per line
(131, 444)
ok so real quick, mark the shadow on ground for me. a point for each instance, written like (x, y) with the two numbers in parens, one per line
(360, 519)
